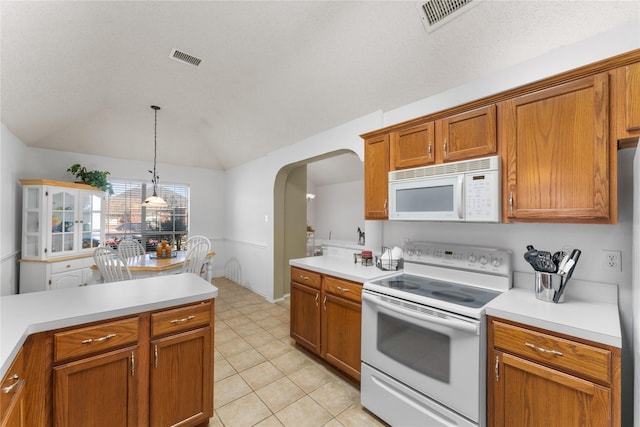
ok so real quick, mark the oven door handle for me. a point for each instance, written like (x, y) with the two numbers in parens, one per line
(449, 321)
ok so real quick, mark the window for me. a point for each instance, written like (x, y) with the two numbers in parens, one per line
(126, 218)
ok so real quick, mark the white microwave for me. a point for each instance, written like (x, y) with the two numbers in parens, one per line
(466, 191)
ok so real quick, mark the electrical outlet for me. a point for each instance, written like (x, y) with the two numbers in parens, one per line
(611, 261)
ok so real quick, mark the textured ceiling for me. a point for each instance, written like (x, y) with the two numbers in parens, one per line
(80, 76)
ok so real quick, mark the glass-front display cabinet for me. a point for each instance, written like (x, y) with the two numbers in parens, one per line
(62, 223)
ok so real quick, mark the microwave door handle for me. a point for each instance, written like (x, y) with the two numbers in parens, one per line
(459, 199)
(448, 322)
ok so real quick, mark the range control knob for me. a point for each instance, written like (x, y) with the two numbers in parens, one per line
(418, 252)
(496, 262)
(483, 260)
(472, 258)
(410, 251)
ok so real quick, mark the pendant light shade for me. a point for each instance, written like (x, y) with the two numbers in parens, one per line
(155, 201)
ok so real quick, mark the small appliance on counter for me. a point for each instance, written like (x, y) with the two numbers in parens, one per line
(552, 272)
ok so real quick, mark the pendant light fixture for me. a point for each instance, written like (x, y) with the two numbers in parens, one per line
(155, 201)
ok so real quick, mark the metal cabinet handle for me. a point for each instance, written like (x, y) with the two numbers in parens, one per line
(497, 368)
(8, 389)
(444, 147)
(324, 303)
(304, 277)
(429, 149)
(511, 202)
(104, 338)
(342, 289)
(543, 350)
(317, 295)
(155, 356)
(185, 319)
(133, 364)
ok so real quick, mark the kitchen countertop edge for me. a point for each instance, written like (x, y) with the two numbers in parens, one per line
(341, 268)
(30, 313)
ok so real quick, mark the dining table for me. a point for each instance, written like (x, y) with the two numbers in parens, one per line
(150, 265)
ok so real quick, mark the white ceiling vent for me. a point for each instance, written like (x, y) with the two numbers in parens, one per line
(436, 13)
(185, 57)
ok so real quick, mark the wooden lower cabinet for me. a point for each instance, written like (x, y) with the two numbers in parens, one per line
(538, 378)
(150, 369)
(12, 397)
(327, 319)
(181, 389)
(101, 390)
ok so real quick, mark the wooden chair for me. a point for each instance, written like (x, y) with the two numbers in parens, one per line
(112, 267)
(197, 248)
(130, 248)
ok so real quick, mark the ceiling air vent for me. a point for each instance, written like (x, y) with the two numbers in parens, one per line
(435, 13)
(185, 57)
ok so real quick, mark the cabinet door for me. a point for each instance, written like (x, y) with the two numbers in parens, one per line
(525, 393)
(62, 208)
(558, 154)
(32, 237)
(90, 222)
(412, 147)
(181, 383)
(305, 316)
(69, 279)
(467, 135)
(97, 391)
(12, 397)
(627, 102)
(341, 331)
(376, 177)
(15, 413)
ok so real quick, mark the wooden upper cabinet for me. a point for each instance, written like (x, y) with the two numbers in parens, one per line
(467, 135)
(376, 177)
(412, 147)
(626, 102)
(558, 156)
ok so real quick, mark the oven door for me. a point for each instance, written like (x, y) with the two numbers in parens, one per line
(434, 352)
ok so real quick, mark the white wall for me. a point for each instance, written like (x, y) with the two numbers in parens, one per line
(339, 210)
(13, 155)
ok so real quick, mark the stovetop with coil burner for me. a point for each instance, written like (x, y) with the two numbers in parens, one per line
(460, 279)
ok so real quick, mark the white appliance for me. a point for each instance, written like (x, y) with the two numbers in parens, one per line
(424, 335)
(466, 191)
(636, 282)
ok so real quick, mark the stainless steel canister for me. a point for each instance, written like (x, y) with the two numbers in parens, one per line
(547, 284)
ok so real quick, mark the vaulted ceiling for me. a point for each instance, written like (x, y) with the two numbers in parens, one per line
(80, 76)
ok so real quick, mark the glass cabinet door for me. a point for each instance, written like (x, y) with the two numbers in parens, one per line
(91, 221)
(63, 217)
(31, 244)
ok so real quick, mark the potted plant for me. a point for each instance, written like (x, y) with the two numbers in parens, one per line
(96, 179)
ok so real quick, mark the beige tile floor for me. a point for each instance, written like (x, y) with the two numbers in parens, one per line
(263, 379)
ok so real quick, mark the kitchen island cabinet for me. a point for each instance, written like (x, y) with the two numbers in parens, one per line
(540, 378)
(12, 398)
(90, 353)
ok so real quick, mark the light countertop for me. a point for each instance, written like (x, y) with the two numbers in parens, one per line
(342, 267)
(590, 310)
(25, 314)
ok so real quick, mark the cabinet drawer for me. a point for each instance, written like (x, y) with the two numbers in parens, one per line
(180, 319)
(71, 264)
(306, 277)
(582, 359)
(11, 382)
(342, 288)
(93, 339)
